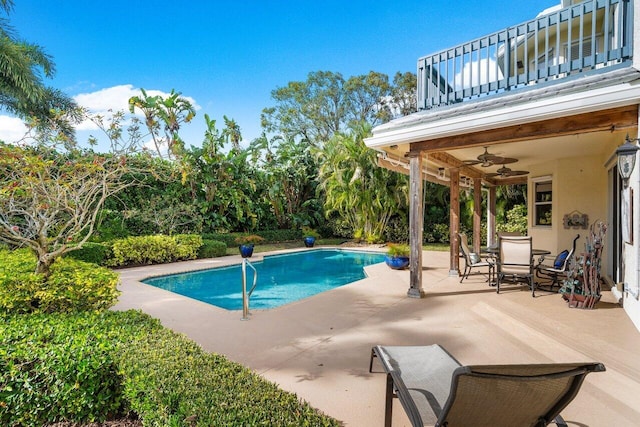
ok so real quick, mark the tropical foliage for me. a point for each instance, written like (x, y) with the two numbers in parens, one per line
(363, 194)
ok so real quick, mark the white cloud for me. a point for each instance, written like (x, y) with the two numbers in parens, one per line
(12, 129)
(478, 72)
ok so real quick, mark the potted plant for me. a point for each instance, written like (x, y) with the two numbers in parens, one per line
(397, 256)
(310, 236)
(247, 243)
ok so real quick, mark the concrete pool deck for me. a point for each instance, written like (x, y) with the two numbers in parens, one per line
(319, 347)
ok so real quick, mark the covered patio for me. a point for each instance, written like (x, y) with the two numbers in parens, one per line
(319, 347)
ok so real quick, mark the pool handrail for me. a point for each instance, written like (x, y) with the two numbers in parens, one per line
(246, 295)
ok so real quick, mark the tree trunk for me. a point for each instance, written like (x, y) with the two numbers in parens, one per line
(44, 264)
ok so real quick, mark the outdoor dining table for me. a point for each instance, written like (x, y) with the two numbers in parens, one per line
(494, 250)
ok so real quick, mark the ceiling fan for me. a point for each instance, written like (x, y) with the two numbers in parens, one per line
(505, 172)
(487, 159)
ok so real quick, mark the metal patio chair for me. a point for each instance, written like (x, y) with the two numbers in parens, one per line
(435, 389)
(556, 272)
(515, 262)
(473, 260)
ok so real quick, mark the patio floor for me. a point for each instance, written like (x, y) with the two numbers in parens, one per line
(319, 348)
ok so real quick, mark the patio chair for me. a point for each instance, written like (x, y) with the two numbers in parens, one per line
(558, 270)
(473, 260)
(515, 262)
(435, 389)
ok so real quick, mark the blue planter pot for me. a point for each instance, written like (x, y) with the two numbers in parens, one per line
(309, 241)
(246, 250)
(397, 262)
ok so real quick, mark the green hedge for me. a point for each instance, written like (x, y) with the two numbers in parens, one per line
(96, 253)
(94, 366)
(156, 249)
(212, 249)
(72, 285)
(58, 367)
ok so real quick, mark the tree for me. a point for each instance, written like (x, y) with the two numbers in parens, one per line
(356, 188)
(163, 118)
(22, 91)
(325, 104)
(288, 171)
(223, 182)
(50, 197)
(404, 96)
(368, 95)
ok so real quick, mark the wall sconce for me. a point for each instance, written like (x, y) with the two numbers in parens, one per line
(626, 159)
(441, 174)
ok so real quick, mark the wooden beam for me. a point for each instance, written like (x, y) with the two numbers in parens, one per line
(605, 120)
(384, 163)
(450, 162)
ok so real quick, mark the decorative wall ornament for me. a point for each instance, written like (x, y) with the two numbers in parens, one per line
(576, 219)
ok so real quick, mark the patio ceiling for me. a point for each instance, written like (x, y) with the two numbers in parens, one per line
(528, 153)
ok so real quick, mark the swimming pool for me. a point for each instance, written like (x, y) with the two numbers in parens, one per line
(281, 278)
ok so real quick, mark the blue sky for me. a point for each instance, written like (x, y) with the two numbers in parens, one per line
(227, 56)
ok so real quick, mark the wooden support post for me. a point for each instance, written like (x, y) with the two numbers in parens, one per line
(454, 221)
(477, 214)
(416, 224)
(491, 216)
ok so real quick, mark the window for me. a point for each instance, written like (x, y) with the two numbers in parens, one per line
(542, 204)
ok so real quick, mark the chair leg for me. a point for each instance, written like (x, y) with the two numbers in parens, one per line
(373, 354)
(388, 402)
(560, 422)
(532, 284)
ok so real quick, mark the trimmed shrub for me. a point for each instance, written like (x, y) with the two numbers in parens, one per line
(188, 245)
(94, 366)
(156, 249)
(58, 367)
(169, 380)
(269, 236)
(96, 253)
(72, 285)
(212, 249)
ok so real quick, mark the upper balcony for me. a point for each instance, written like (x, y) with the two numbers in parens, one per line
(587, 37)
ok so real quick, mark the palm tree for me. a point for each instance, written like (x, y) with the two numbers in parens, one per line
(22, 91)
(363, 194)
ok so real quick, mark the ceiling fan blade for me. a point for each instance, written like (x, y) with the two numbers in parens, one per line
(517, 173)
(487, 159)
(505, 160)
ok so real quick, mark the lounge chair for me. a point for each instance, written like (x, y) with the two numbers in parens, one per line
(434, 389)
(556, 272)
(473, 260)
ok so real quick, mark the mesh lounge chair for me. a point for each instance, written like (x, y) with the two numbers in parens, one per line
(434, 389)
(473, 260)
(557, 271)
(515, 262)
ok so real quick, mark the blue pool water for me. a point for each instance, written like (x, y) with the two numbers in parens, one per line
(281, 278)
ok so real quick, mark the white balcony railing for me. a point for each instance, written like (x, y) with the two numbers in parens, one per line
(584, 37)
